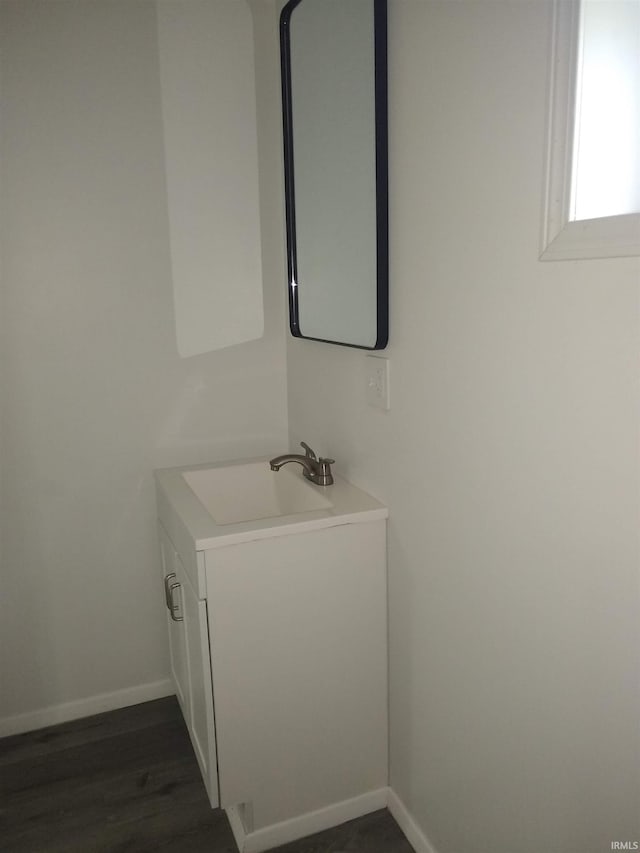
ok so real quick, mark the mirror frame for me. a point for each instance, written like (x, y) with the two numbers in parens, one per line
(381, 176)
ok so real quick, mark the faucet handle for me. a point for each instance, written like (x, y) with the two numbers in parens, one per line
(307, 450)
(325, 477)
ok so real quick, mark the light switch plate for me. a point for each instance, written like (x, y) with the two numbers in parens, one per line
(377, 379)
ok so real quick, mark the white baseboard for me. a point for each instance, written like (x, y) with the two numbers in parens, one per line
(66, 711)
(237, 826)
(306, 824)
(414, 835)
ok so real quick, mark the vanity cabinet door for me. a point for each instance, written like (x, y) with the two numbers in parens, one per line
(201, 723)
(191, 662)
(177, 633)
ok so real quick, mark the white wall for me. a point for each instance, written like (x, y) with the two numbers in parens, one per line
(509, 458)
(94, 395)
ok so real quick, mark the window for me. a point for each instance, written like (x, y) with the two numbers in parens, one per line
(593, 177)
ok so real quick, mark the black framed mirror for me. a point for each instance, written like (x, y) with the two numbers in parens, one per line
(334, 96)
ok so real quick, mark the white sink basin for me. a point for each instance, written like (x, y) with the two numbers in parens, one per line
(216, 505)
(251, 491)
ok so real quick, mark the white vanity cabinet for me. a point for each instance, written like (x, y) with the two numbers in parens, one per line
(284, 634)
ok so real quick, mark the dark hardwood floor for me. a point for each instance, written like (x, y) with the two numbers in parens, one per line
(128, 782)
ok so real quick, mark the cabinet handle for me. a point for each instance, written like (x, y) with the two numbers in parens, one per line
(173, 608)
(167, 599)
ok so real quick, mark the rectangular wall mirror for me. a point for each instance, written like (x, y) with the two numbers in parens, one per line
(334, 94)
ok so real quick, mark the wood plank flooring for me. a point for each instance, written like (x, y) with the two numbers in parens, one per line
(128, 782)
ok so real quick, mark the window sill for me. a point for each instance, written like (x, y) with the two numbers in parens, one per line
(612, 237)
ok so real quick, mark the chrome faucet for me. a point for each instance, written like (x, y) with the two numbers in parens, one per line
(316, 470)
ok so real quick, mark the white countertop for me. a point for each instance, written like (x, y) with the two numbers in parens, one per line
(349, 505)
